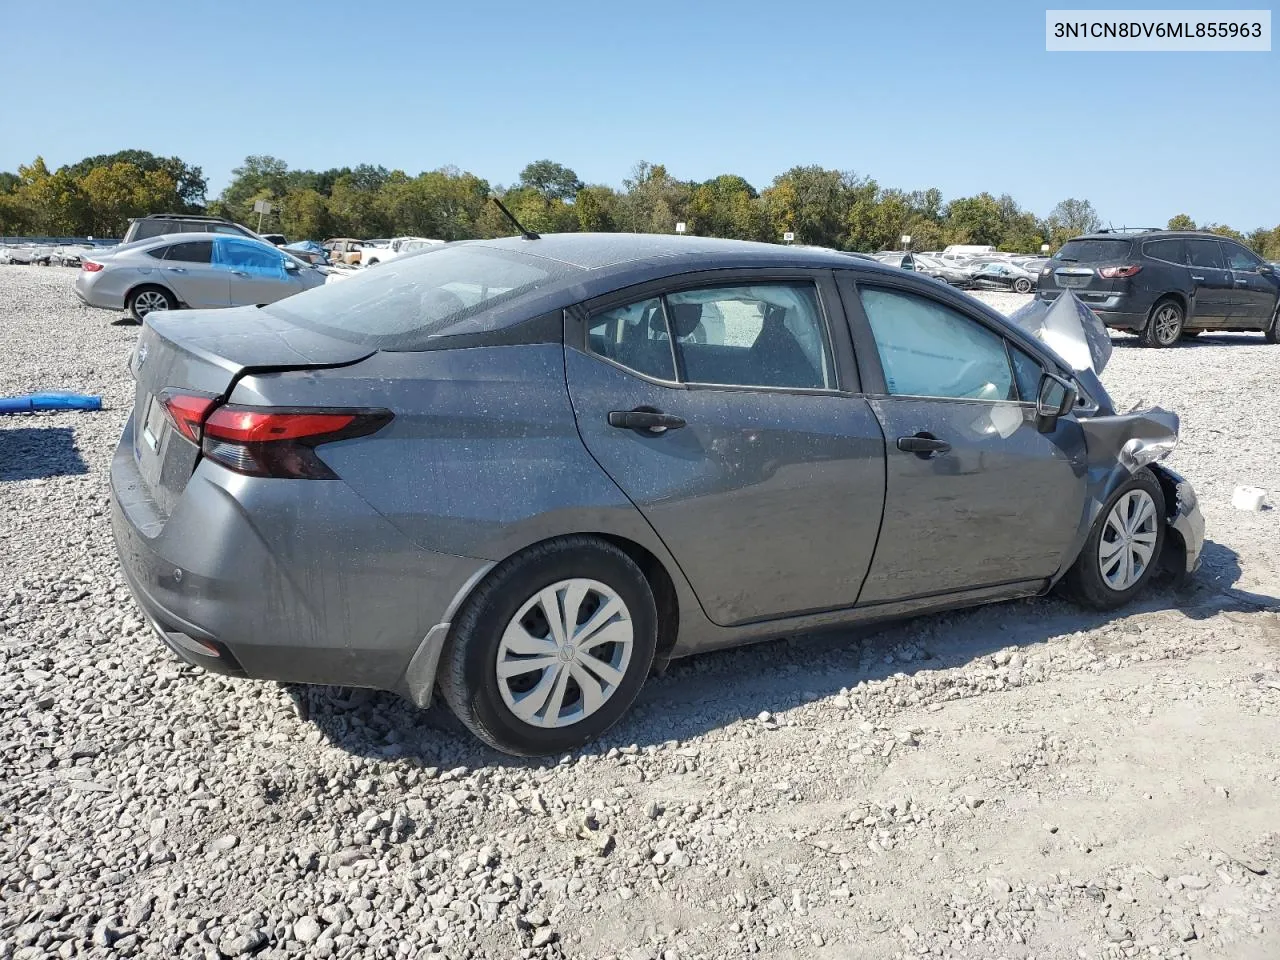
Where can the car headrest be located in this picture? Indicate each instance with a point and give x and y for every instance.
(685, 318)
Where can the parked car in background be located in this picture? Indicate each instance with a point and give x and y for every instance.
(952, 272)
(903, 260)
(275, 239)
(309, 251)
(344, 250)
(573, 501)
(395, 247)
(158, 224)
(1002, 274)
(1165, 284)
(192, 270)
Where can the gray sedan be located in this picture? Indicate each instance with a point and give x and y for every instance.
(522, 471)
(196, 270)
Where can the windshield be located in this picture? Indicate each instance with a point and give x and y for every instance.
(1093, 251)
(408, 299)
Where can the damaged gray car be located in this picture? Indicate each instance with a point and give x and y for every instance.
(522, 471)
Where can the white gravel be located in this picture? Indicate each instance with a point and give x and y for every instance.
(1021, 781)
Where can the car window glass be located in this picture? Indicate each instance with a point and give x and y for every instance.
(928, 349)
(1027, 372)
(1205, 253)
(634, 336)
(225, 228)
(248, 257)
(1170, 250)
(1238, 258)
(757, 335)
(157, 252)
(193, 251)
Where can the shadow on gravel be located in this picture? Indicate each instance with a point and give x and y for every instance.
(701, 693)
(1199, 340)
(30, 453)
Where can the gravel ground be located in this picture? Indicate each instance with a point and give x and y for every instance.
(1020, 781)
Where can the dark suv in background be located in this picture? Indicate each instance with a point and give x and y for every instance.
(159, 224)
(1166, 284)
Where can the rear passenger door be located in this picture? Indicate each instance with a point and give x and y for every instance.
(188, 268)
(1212, 290)
(728, 412)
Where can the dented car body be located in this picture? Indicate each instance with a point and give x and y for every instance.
(523, 470)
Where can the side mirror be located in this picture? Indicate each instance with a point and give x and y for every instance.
(1267, 270)
(1056, 399)
(291, 267)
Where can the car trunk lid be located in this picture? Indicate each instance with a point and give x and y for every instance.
(188, 359)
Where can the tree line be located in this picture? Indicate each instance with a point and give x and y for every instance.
(829, 208)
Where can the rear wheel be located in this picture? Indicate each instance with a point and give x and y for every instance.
(552, 648)
(1164, 326)
(146, 300)
(1122, 551)
(1022, 285)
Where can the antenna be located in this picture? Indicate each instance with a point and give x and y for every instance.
(527, 234)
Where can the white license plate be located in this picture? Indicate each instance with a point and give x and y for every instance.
(154, 424)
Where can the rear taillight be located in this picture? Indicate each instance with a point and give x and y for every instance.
(262, 442)
(90, 266)
(1119, 273)
(187, 411)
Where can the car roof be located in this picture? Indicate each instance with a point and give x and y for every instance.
(184, 216)
(613, 252)
(1150, 235)
(191, 235)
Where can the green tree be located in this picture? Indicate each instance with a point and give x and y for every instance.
(51, 203)
(977, 220)
(260, 177)
(113, 193)
(304, 214)
(811, 202)
(1181, 222)
(553, 180)
(1072, 217)
(189, 181)
(596, 209)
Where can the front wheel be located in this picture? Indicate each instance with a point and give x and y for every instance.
(1272, 333)
(1022, 285)
(552, 648)
(1164, 326)
(1122, 551)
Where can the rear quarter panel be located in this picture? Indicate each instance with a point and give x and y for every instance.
(483, 457)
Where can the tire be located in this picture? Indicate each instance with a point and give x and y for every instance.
(1272, 333)
(1095, 580)
(144, 300)
(371, 263)
(1164, 325)
(1022, 285)
(505, 622)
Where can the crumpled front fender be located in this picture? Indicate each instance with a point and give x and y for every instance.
(1120, 445)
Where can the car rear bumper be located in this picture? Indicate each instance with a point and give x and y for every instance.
(90, 296)
(1116, 310)
(291, 580)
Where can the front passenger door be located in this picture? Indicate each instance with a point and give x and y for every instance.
(1255, 295)
(975, 495)
(256, 272)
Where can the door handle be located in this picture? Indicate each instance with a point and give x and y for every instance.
(645, 420)
(923, 445)
(1242, 283)
(176, 269)
(239, 273)
(1197, 279)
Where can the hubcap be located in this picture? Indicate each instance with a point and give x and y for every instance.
(565, 653)
(1128, 540)
(150, 300)
(1168, 324)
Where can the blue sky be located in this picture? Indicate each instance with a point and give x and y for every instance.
(961, 96)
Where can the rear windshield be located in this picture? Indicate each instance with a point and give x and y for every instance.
(399, 304)
(1093, 251)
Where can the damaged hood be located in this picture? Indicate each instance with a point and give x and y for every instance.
(1070, 329)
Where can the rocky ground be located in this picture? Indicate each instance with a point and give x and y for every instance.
(1021, 781)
